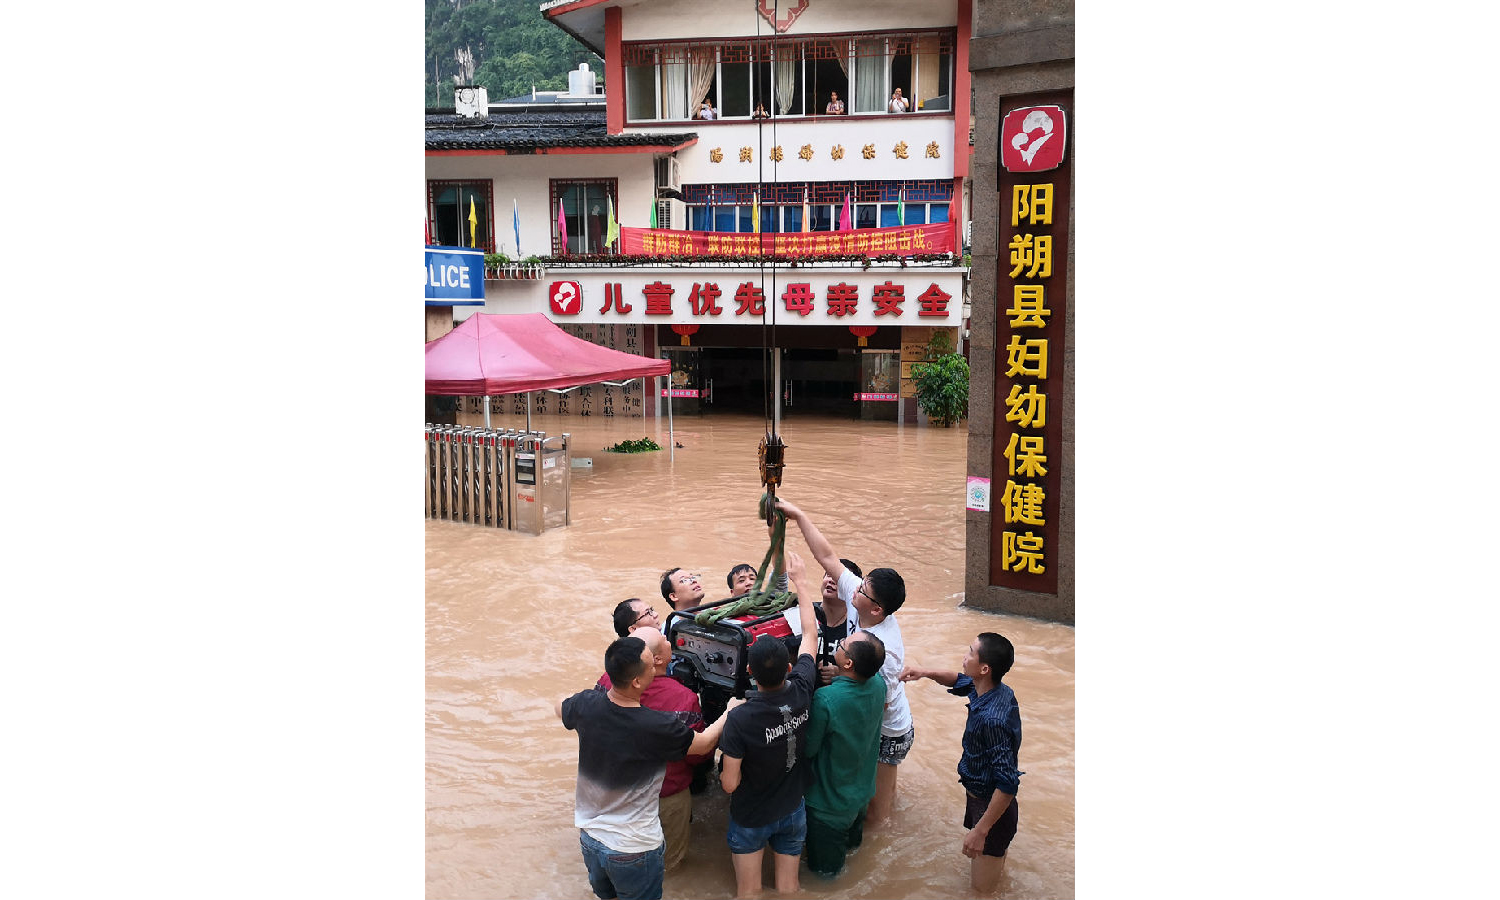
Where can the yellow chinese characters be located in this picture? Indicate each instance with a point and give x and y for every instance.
(746, 155)
(1022, 552)
(932, 151)
(1024, 456)
(1023, 503)
(716, 155)
(1036, 252)
(1029, 409)
(1026, 358)
(1031, 204)
(1028, 307)
(899, 149)
(806, 152)
(837, 152)
(776, 153)
(869, 151)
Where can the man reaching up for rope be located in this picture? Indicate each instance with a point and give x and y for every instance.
(765, 768)
(874, 600)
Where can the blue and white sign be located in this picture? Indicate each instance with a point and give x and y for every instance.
(455, 276)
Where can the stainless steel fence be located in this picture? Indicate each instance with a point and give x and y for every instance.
(499, 478)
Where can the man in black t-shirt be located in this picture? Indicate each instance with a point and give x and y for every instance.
(764, 771)
(623, 751)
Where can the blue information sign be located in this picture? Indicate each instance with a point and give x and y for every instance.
(455, 276)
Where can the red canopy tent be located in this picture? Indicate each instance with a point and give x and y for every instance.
(497, 354)
(510, 354)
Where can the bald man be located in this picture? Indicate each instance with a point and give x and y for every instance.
(669, 696)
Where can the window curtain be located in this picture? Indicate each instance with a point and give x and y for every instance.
(786, 78)
(674, 90)
(869, 76)
(702, 77)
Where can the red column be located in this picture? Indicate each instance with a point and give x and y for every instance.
(961, 149)
(614, 72)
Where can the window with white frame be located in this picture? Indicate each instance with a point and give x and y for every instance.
(788, 76)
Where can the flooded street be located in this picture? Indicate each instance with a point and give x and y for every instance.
(514, 622)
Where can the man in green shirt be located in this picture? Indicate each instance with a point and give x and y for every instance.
(843, 744)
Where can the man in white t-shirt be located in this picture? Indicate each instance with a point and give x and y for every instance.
(874, 600)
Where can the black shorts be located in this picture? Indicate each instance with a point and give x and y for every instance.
(999, 838)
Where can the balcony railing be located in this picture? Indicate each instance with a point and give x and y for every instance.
(515, 272)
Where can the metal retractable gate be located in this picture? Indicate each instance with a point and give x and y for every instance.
(498, 478)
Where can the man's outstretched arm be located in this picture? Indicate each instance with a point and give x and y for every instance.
(818, 545)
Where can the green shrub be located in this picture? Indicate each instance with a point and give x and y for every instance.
(643, 445)
(943, 388)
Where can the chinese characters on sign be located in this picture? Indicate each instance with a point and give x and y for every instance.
(608, 400)
(1025, 366)
(1028, 352)
(840, 300)
(936, 237)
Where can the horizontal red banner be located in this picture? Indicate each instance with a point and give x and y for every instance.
(940, 237)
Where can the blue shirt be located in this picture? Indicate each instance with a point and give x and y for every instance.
(992, 740)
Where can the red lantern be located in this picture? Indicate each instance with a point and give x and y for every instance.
(863, 332)
(685, 330)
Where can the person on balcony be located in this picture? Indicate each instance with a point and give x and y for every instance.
(898, 103)
(835, 105)
(760, 112)
(706, 110)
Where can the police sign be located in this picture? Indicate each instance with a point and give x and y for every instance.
(455, 276)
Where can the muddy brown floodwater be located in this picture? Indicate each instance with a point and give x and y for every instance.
(515, 622)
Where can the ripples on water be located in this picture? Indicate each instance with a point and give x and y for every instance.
(516, 621)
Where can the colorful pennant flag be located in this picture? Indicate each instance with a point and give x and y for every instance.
(653, 213)
(755, 213)
(845, 223)
(806, 212)
(901, 207)
(562, 226)
(515, 224)
(611, 227)
(473, 222)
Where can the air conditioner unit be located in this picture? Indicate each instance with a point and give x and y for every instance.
(671, 214)
(669, 173)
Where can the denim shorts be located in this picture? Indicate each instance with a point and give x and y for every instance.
(894, 749)
(628, 876)
(785, 835)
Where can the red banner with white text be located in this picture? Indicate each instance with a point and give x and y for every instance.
(938, 237)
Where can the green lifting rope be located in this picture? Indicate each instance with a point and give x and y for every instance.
(759, 602)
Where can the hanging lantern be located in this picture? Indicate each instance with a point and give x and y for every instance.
(863, 332)
(686, 330)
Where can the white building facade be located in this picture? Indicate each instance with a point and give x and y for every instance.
(851, 306)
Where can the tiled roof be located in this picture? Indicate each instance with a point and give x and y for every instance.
(520, 130)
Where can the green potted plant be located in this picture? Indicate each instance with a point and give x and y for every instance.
(493, 263)
(942, 382)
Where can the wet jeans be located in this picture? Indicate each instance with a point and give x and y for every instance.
(629, 876)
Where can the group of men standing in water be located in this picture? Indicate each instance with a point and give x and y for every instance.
(809, 757)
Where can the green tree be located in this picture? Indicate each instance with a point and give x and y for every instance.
(513, 45)
(943, 388)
